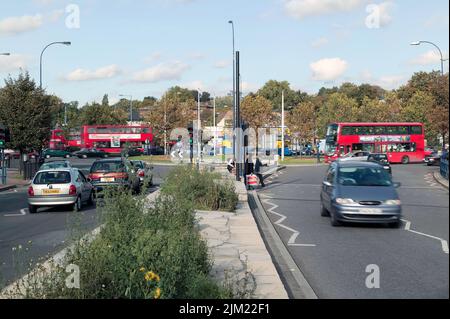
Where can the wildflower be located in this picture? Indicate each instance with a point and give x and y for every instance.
(157, 293)
(149, 276)
(142, 269)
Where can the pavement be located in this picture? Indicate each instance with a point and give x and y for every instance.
(13, 181)
(441, 180)
(336, 262)
(42, 235)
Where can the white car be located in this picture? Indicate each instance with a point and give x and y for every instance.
(60, 187)
(356, 156)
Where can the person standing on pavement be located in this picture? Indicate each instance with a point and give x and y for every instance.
(258, 171)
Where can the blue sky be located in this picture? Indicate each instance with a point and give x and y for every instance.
(143, 47)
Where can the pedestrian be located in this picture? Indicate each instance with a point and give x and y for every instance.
(258, 171)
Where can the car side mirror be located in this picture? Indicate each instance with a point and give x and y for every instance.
(327, 184)
(397, 185)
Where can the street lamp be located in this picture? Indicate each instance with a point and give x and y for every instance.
(131, 105)
(7, 54)
(234, 91)
(417, 43)
(42, 53)
(199, 125)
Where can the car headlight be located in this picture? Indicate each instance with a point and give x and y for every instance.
(386, 167)
(345, 201)
(393, 202)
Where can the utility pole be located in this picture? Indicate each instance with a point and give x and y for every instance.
(282, 126)
(215, 126)
(199, 125)
(238, 130)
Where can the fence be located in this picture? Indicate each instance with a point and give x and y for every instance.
(29, 169)
(444, 168)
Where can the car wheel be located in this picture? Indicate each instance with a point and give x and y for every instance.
(77, 205)
(323, 211)
(47, 156)
(334, 221)
(105, 156)
(67, 156)
(84, 156)
(32, 209)
(91, 200)
(405, 160)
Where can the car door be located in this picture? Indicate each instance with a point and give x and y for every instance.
(328, 187)
(86, 187)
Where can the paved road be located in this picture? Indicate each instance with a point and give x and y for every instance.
(412, 264)
(43, 234)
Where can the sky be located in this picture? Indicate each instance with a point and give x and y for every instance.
(143, 47)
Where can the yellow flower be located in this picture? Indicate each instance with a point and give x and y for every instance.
(158, 293)
(142, 269)
(149, 276)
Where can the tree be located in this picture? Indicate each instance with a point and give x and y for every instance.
(337, 108)
(417, 109)
(98, 114)
(105, 100)
(25, 110)
(257, 112)
(178, 109)
(302, 122)
(272, 91)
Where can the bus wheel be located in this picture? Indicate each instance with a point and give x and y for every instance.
(405, 160)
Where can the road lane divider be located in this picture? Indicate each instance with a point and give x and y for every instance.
(23, 212)
(443, 242)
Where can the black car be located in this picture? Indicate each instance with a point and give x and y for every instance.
(154, 150)
(360, 192)
(90, 153)
(381, 159)
(135, 152)
(433, 159)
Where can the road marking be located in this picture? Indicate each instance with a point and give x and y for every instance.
(23, 212)
(444, 243)
(266, 199)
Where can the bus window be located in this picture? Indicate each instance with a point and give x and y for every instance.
(416, 130)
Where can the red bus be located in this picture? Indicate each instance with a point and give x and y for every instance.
(403, 142)
(57, 140)
(113, 138)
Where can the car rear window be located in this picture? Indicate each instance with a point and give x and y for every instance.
(54, 166)
(46, 178)
(107, 167)
(138, 165)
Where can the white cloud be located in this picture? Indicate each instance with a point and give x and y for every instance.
(428, 58)
(154, 57)
(249, 87)
(16, 25)
(320, 42)
(106, 72)
(161, 72)
(195, 85)
(328, 69)
(390, 82)
(380, 14)
(13, 62)
(222, 64)
(304, 8)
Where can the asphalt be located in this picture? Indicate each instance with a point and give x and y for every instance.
(412, 264)
(46, 233)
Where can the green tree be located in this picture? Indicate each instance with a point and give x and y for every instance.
(336, 108)
(257, 112)
(98, 114)
(302, 122)
(272, 91)
(417, 109)
(26, 110)
(105, 100)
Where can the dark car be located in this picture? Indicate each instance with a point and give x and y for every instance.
(115, 173)
(360, 192)
(49, 153)
(433, 159)
(381, 159)
(90, 153)
(135, 152)
(154, 150)
(144, 172)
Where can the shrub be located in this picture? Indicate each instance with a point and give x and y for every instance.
(206, 191)
(140, 253)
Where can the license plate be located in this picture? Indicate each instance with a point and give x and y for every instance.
(371, 211)
(50, 191)
(107, 179)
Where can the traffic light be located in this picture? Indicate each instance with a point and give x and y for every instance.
(4, 136)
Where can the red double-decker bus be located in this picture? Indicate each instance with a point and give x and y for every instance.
(113, 138)
(403, 142)
(57, 140)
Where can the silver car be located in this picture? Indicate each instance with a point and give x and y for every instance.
(59, 187)
(356, 156)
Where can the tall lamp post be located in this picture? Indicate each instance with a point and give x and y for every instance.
(131, 105)
(42, 53)
(417, 43)
(199, 126)
(234, 91)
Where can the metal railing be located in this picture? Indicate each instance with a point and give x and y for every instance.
(444, 168)
(29, 169)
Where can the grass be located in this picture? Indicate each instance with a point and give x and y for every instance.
(300, 161)
(153, 158)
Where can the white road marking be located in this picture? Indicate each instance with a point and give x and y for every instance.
(444, 243)
(266, 199)
(23, 212)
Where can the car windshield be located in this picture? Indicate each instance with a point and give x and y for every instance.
(364, 176)
(139, 165)
(46, 178)
(107, 167)
(54, 165)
